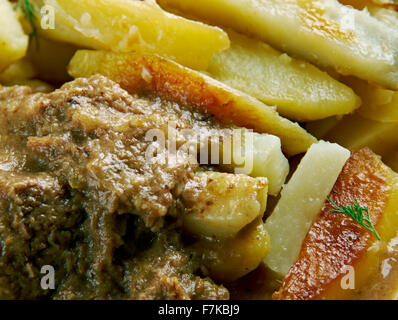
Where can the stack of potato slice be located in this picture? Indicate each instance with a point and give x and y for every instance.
(362, 44)
(263, 65)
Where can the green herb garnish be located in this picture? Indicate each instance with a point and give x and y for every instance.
(28, 10)
(356, 212)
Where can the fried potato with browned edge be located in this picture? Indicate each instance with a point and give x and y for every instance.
(325, 32)
(339, 258)
(125, 25)
(137, 72)
(300, 91)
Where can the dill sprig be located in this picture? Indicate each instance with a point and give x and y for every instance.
(28, 10)
(356, 212)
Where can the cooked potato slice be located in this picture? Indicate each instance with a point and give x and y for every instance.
(231, 259)
(18, 71)
(259, 155)
(125, 25)
(379, 104)
(337, 245)
(355, 132)
(13, 40)
(339, 36)
(219, 205)
(301, 201)
(299, 90)
(169, 80)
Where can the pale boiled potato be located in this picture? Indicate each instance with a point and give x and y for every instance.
(355, 132)
(125, 25)
(301, 201)
(340, 37)
(300, 91)
(378, 103)
(142, 72)
(259, 155)
(219, 205)
(13, 40)
(18, 71)
(231, 259)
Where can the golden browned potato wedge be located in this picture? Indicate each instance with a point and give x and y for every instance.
(339, 36)
(219, 205)
(355, 132)
(138, 72)
(231, 259)
(378, 103)
(13, 40)
(300, 91)
(339, 256)
(301, 200)
(125, 25)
